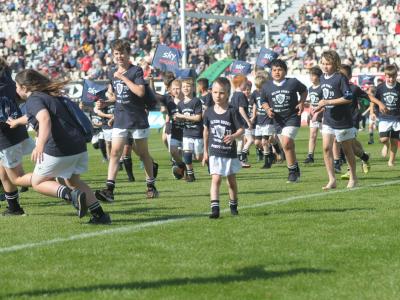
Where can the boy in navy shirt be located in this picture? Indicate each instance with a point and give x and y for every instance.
(204, 93)
(314, 95)
(358, 96)
(130, 120)
(280, 99)
(337, 118)
(190, 113)
(387, 97)
(222, 126)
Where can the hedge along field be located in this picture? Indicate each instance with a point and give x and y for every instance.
(290, 241)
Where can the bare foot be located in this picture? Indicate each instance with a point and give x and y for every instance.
(390, 164)
(329, 186)
(384, 151)
(351, 184)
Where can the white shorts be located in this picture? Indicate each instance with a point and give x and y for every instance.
(248, 132)
(107, 134)
(174, 143)
(386, 126)
(223, 166)
(265, 130)
(135, 134)
(316, 124)
(341, 135)
(12, 156)
(193, 145)
(289, 131)
(64, 166)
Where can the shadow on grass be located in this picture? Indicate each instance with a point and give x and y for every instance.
(242, 275)
(159, 218)
(321, 210)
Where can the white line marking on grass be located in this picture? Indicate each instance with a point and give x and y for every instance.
(138, 227)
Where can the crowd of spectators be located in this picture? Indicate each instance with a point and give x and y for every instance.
(73, 38)
(365, 33)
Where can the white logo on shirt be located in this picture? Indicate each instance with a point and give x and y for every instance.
(120, 88)
(280, 98)
(326, 93)
(219, 131)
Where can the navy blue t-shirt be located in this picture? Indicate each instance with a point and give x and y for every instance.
(390, 96)
(109, 110)
(315, 95)
(175, 126)
(191, 108)
(220, 125)
(239, 99)
(358, 94)
(130, 110)
(10, 137)
(334, 87)
(207, 100)
(262, 116)
(283, 99)
(66, 137)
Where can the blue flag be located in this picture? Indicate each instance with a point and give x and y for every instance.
(93, 91)
(166, 59)
(185, 73)
(365, 79)
(240, 67)
(265, 57)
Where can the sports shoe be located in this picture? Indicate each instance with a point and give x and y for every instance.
(309, 160)
(102, 220)
(155, 169)
(366, 166)
(152, 192)
(214, 214)
(78, 200)
(345, 176)
(293, 178)
(267, 165)
(190, 178)
(104, 195)
(234, 211)
(11, 213)
(245, 165)
(370, 142)
(131, 178)
(338, 169)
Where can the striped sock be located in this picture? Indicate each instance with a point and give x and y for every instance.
(190, 172)
(150, 182)
(63, 192)
(110, 185)
(96, 209)
(12, 200)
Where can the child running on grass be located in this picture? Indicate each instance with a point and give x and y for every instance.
(337, 118)
(387, 97)
(222, 126)
(314, 95)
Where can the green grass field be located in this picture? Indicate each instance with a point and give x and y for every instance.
(289, 241)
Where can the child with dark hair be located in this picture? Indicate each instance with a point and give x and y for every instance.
(204, 93)
(279, 97)
(60, 149)
(222, 126)
(314, 96)
(387, 97)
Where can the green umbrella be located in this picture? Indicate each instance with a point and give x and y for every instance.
(216, 69)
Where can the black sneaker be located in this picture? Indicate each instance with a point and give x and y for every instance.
(190, 178)
(370, 142)
(11, 213)
(337, 168)
(131, 178)
(152, 192)
(23, 189)
(104, 195)
(102, 220)
(309, 160)
(214, 214)
(267, 165)
(293, 178)
(155, 169)
(234, 211)
(78, 200)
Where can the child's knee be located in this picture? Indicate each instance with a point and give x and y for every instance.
(187, 157)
